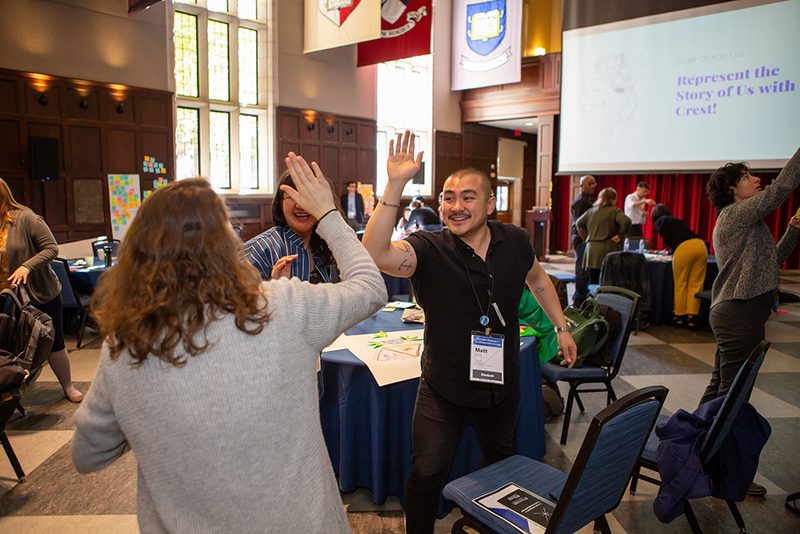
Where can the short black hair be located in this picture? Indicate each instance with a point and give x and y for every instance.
(722, 180)
(658, 211)
(644, 185)
(351, 182)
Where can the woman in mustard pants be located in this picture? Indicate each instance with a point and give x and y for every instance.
(689, 259)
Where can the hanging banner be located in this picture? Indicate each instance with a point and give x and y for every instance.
(334, 23)
(405, 32)
(124, 198)
(487, 43)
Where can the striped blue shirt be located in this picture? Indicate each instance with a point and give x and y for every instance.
(265, 249)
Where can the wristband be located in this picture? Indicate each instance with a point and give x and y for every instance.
(390, 205)
(562, 329)
(327, 212)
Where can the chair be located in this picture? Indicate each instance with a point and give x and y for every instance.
(8, 403)
(594, 485)
(734, 399)
(97, 247)
(623, 301)
(71, 298)
(629, 270)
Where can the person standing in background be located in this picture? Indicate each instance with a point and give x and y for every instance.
(603, 228)
(27, 247)
(689, 262)
(353, 205)
(635, 208)
(582, 203)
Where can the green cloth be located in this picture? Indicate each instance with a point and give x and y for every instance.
(536, 323)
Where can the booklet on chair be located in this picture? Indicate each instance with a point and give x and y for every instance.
(525, 510)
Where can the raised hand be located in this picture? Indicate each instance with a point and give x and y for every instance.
(401, 165)
(311, 189)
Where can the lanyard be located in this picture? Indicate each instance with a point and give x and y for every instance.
(484, 318)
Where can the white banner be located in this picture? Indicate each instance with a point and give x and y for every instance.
(487, 43)
(334, 23)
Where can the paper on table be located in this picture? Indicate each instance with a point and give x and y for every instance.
(390, 356)
(338, 344)
(400, 304)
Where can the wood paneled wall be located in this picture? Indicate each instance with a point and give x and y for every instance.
(537, 94)
(344, 147)
(101, 129)
(480, 151)
(448, 157)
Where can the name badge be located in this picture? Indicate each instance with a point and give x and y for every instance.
(486, 358)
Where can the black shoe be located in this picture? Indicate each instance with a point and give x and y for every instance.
(757, 490)
(691, 322)
(679, 321)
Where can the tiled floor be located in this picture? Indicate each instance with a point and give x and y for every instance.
(56, 498)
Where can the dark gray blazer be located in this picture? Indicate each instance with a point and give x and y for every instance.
(31, 243)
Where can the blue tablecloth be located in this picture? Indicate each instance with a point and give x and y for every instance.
(662, 288)
(85, 280)
(368, 428)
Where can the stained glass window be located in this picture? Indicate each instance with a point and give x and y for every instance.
(220, 147)
(247, 9)
(248, 151)
(248, 66)
(186, 54)
(187, 143)
(218, 5)
(218, 64)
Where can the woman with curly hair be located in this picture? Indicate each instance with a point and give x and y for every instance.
(748, 261)
(208, 374)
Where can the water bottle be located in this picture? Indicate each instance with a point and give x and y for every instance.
(627, 245)
(107, 251)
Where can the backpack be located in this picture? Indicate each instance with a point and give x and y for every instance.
(588, 327)
(603, 357)
(26, 333)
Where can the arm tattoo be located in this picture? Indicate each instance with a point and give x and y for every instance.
(538, 290)
(405, 246)
(405, 265)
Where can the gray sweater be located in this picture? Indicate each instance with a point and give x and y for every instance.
(232, 441)
(747, 256)
(31, 243)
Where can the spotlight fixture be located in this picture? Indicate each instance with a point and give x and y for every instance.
(121, 107)
(84, 104)
(348, 132)
(310, 126)
(43, 99)
(331, 129)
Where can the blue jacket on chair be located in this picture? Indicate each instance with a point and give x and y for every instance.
(727, 475)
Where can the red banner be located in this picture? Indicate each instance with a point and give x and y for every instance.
(405, 32)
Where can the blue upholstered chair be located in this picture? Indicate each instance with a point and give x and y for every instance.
(70, 298)
(737, 394)
(593, 378)
(594, 485)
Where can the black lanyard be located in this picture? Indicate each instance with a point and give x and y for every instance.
(484, 318)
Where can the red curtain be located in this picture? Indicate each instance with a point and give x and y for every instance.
(683, 194)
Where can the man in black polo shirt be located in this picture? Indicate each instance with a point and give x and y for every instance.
(469, 280)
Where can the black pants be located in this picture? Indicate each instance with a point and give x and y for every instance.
(436, 429)
(738, 326)
(636, 231)
(581, 274)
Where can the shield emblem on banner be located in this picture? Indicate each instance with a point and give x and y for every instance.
(486, 25)
(337, 11)
(391, 10)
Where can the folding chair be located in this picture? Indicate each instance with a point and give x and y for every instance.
(593, 487)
